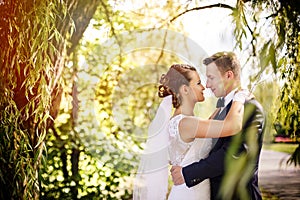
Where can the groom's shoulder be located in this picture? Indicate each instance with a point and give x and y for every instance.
(255, 104)
(254, 110)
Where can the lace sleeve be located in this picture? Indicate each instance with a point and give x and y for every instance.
(173, 126)
(183, 153)
(177, 148)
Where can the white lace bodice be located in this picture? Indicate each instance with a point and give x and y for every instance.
(182, 153)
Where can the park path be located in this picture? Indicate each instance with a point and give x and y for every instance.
(277, 178)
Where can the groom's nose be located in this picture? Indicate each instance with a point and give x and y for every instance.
(208, 85)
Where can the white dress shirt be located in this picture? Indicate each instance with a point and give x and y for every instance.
(228, 98)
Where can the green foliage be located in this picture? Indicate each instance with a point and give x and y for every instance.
(27, 74)
(109, 98)
(295, 157)
(240, 23)
(289, 111)
(241, 160)
(281, 147)
(78, 148)
(114, 111)
(279, 51)
(267, 94)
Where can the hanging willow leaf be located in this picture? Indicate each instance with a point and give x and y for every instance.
(25, 94)
(272, 56)
(264, 56)
(295, 157)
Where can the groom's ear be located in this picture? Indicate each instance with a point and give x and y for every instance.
(230, 74)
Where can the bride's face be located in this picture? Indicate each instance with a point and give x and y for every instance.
(196, 87)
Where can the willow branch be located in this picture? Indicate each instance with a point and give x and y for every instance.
(218, 5)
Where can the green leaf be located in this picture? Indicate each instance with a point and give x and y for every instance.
(272, 56)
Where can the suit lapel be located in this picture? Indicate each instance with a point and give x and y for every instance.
(222, 115)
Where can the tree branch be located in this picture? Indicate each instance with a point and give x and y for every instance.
(218, 5)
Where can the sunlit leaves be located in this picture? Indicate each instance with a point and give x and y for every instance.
(240, 23)
(281, 52)
(27, 73)
(267, 56)
(241, 159)
(289, 110)
(295, 157)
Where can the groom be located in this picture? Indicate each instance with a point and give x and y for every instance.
(223, 78)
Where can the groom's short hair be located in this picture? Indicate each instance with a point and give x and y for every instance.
(225, 61)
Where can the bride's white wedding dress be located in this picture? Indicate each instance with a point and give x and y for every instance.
(183, 154)
(164, 147)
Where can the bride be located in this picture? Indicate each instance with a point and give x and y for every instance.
(181, 138)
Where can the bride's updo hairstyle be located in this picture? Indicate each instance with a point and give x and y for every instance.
(178, 75)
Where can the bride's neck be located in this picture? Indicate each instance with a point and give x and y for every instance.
(184, 110)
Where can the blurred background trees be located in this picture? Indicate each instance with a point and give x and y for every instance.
(78, 85)
(277, 47)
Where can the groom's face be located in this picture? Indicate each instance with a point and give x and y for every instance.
(215, 80)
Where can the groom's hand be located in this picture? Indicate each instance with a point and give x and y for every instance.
(177, 177)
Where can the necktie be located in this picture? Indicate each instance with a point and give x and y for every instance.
(220, 102)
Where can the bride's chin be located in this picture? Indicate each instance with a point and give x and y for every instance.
(201, 100)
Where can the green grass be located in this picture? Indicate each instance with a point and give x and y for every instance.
(268, 196)
(281, 147)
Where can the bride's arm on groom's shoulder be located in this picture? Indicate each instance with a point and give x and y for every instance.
(195, 127)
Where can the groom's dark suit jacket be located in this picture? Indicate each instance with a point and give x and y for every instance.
(213, 166)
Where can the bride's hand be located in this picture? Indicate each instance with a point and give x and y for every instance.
(243, 95)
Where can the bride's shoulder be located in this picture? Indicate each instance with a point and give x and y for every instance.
(173, 124)
(176, 119)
